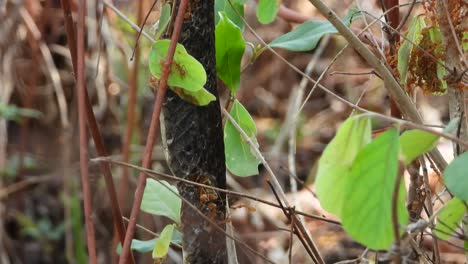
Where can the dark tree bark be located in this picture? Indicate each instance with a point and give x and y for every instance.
(193, 136)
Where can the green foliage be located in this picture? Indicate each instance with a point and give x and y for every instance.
(141, 246)
(413, 36)
(367, 214)
(307, 35)
(162, 243)
(414, 143)
(224, 6)
(267, 10)
(335, 164)
(159, 200)
(356, 180)
(14, 113)
(455, 177)
(187, 75)
(240, 159)
(163, 21)
(449, 218)
(144, 246)
(230, 48)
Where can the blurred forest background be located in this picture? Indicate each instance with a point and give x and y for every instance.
(41, 217)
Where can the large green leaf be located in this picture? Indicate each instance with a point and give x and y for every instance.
(449, 218)
(224, 6)
(162, 244)
(159, 200)
(186, 72)
(414, 143)
(230, 48)
(267, 10)
(240, 159)
(307, 35)
(335, 164)
(456, 176)
(413, 36)
(367, 215)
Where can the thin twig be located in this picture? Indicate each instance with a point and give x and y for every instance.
(153, 131)
(81, 92)
(153, 173)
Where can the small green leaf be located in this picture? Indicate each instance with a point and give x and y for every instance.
(455, 177)
(14, 113)
(141, 246)
(158, 200)
(449, 218)
(367, 215)
(267, 10)
(186, 72)
(414, 143)
(163, 21)
(201, 97)
(224, 6)
(413, 36)
(162, 244)
(240, 159)
(230, 48)
(307, 35)
(335, 164)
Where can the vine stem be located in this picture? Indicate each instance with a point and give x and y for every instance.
(154, 126)
(81, 91)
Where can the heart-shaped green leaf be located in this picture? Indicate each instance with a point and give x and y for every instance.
(267, 10)
(186, 72)
(455, 177)
(369, 188)
(335, 163)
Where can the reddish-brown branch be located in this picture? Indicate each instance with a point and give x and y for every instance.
(80, 76)
(154, 126)
(132, 91)
(98, 141)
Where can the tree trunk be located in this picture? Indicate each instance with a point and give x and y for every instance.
(193, 136)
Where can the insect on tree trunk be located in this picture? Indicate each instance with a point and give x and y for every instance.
(193, 136)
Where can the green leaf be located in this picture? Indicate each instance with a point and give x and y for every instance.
(162, 244)
(449, 218)
(414, 143)
(240, 159)
(230, 48)
(455, 177)
(163, 21)
(201, 97)
(436, 39)
(186, 72)
(267, 10)
(367, 215)
(413, 36)
(12, 112)
(141, 246)
(307, 35)
(224, 6)
(158, 200)
(335, 164)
